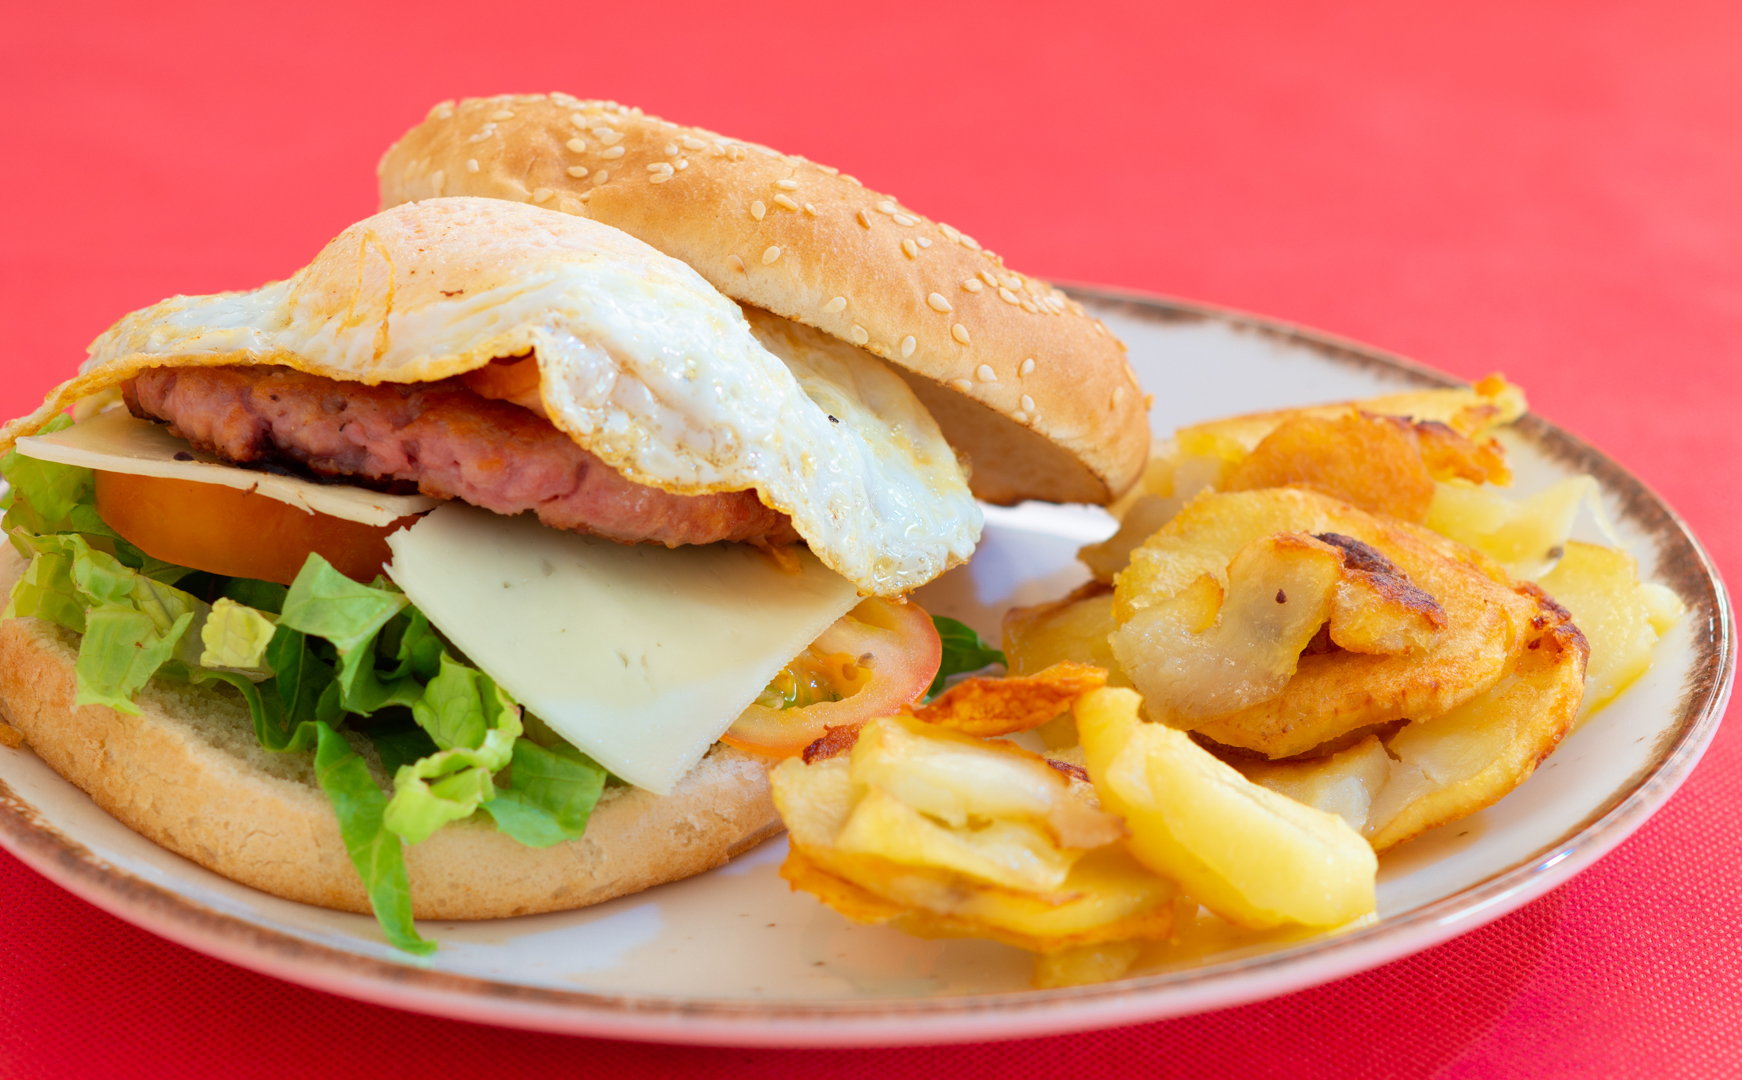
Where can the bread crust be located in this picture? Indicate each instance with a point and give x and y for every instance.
(817, 247)
(188, 775)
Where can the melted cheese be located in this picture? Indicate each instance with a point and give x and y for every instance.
(118, 442)
(642, 656)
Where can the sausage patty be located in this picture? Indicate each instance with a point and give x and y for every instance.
(444, 438)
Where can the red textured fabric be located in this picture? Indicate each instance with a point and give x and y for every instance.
(1551, 189)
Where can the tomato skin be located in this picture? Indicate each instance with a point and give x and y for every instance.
(905, 653)
(236, 533)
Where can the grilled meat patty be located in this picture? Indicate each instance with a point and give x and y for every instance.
(444, 438)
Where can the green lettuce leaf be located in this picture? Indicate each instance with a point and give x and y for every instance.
(475, 725)
(400, 745)
(235, 636)
(550, 795)
(963, 651)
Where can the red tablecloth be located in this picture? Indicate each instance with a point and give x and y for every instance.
(1552, 190)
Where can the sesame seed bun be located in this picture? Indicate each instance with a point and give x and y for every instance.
(188, 774)
(1035, 391)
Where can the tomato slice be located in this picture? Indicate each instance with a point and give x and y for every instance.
(236, 533)
(894, 652)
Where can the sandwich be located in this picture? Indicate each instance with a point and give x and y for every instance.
(486, 565)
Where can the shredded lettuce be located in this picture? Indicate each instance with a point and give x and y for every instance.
(550, 795)
(963, 652)
(308, 660)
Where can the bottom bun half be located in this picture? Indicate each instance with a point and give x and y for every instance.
(189, 775)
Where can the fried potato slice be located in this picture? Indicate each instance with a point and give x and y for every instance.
(1377, 609)
(1203, 652)
(1252, 856)
(966, 782)
(862, 845)
(1334, 693)
(1467, 759)
(1373, 453)
(1344, 784)
(1620, 616)
(1071, 630)
(1373, 462)
(1004, 706)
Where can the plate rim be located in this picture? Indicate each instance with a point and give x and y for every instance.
(1010, 1014)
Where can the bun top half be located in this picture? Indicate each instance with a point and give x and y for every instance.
(1036, 392)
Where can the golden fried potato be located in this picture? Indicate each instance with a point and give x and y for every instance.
(1344, 784)
(1373, 462)
(1525, 535)
(946, 835)
(1620, 617)
(1440, 437)
(1338, 692)
(1377, 609)
(1252, 856)
(1456, 764)
(1200, 654)
(989, 707)
(1071, 630)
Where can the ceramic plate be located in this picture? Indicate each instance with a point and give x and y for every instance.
(733, 957)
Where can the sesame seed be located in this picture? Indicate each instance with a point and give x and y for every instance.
(858, 334)
(661, 166)
(786, 202)
(682, 164)
(886, 206)
(579, 146)
(660, 177)
(1020, 417)
(578, 120)
(903, 219)
(607, 136)
(937, 302)
(809, 209)
(757, 210)
(1031, 307)
(542, 194)
(1007, 296)
(437, 179)
(690, 142)
(502, 114)
(1027, 367)
(864, 219)
(836, 305)
(1118, 395)
(922, 241)
(969, 242)
(907, 346)
(442, 112)
(600, 177)
(1027, 403)
(984, 372)
(771, 254)
(471, 164)
(854, 180)
(986, 275)
(950, 231)
(786, 185)
(973, 285)
(830, 169)
(577, 171)
(960, 333)
(1099, 329)
(962, 384)
(614, 152)
(735, 263)
(671, 149)
(909, 248)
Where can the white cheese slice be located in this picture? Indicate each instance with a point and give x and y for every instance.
(119, 442)
(640, 655)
